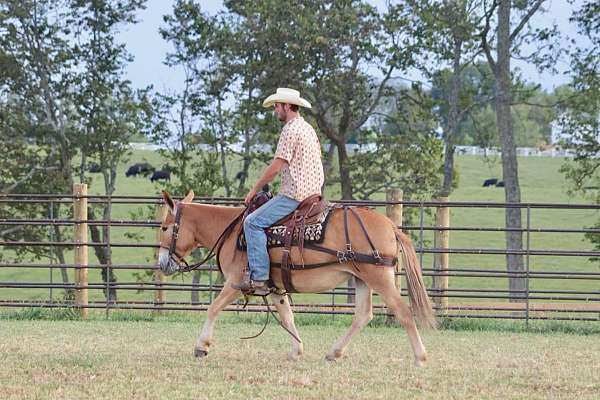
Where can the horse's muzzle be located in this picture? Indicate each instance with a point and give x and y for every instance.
(167, 265)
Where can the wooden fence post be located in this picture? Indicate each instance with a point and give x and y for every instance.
(440, 261)
(80, 213)
(159, 277)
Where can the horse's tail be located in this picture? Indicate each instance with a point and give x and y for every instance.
(419, 301)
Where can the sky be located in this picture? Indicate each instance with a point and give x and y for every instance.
(149, 49)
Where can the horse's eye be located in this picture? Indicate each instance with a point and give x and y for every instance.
(164, 228)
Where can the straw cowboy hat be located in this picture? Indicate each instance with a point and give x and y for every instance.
(286, 95)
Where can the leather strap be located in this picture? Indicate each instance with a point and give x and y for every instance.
(286, 275)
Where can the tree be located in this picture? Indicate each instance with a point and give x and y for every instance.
(446, 31)
(400, 149)
(508, 39)
(330, 55)
(62, 94)
(580, 113)
(109, 113)
(39, 119)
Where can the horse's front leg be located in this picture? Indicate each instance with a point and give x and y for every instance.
(225, 297)
(282, 304)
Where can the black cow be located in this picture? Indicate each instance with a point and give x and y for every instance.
(490, 182)
(145, 169)
(94, 168)
(166, 175)
(240, 175)
(500, 184)
(139, 168)
(132, 171)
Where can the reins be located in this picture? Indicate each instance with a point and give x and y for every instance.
(270, 312)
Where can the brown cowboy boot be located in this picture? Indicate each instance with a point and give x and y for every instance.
(260, 288)
(250, 287)
(245, 285)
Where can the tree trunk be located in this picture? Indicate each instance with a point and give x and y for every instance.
(195, 292)
(59, 252)
(512, 191)
(102, 254)
(222, 145)
(344, 171)
(451, 128)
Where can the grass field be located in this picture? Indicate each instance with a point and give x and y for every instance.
(101, 359)
(540, 182)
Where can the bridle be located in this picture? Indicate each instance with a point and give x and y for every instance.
(178, 259)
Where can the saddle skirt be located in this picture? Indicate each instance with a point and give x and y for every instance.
(314, 232)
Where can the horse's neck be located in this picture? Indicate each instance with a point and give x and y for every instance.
(210, 222)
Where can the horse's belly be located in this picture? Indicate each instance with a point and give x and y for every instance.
(313, 280)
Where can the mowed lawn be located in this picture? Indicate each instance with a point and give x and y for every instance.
(153, 360)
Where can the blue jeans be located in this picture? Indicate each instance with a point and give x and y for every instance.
(256, 237)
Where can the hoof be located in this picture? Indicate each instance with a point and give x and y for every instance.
(200, 353)
(420, 363)
(293, 356)
(334, 355)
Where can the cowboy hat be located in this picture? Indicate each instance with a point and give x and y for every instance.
(286, 95)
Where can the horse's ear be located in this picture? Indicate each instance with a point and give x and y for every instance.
(189, 197)
(168, 200)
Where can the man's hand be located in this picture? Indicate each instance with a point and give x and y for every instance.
(250, 196)
(268, 174)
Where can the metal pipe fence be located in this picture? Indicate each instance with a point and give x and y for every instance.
(472, 282)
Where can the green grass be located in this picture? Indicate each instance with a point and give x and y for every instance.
(153, 360)
(540, 182)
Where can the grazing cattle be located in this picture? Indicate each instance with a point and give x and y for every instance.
(94, 168)
(156, 175)
(240, 175)
(139, 168)
(132, 171)
(490, 182)
(500, 184)
(145, 169)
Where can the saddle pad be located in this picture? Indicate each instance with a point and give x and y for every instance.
(314, 233)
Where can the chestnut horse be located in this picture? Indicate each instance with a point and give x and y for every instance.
(201, 225)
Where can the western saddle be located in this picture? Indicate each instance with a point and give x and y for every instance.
(310, 211)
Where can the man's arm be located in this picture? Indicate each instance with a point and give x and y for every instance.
(267, 176)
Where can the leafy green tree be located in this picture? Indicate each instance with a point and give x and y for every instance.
(447, 32)
(401, 148)
(38, 124)
(507, 37)
(108, 110)
(61, 95)
(580, 113)
(340, 54)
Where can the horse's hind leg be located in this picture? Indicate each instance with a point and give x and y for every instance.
(282, 304)
(226, 297)
(391, 297)
(363, 313)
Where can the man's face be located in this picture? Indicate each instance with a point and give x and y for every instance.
(281, 111)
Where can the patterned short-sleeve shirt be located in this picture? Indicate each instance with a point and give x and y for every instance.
(299, 145)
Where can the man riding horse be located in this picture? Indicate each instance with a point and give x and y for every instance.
(298, 161)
